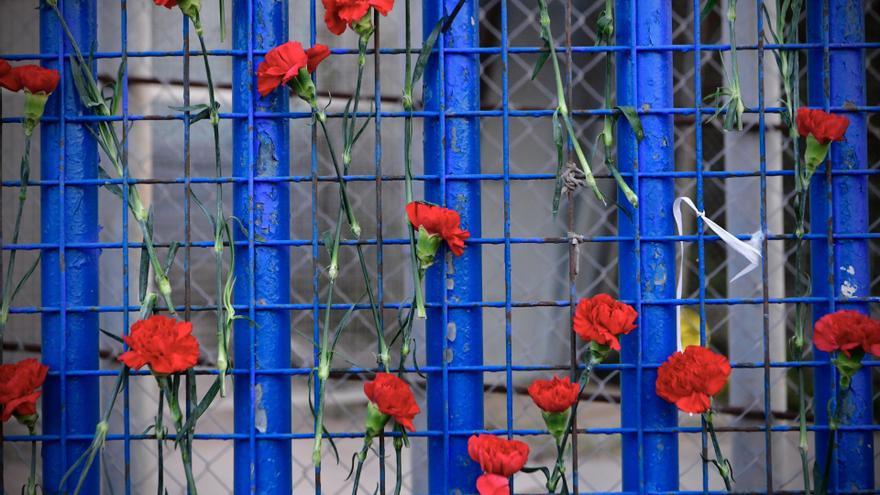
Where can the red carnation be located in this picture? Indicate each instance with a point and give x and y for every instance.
(601, 319)
(165, 344)
(498, 456)
(847, 331)
(554, 396)
(36, 79)
(168, 4)
(316, 55)
(439, 221)
(283, 63)
(824, 126)
(8, 78)
(341, 13)
(18, 387)
(492, 484)
(688, 379)
(393, 397)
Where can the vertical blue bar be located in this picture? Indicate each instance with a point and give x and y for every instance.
(261, 148)
(837, 78)
(454, 336)
(647, 269)
(68, 214)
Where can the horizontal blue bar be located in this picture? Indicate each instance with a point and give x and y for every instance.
(452, 433)
(459, 368)
(456, 177)
(452, 114)
(462, 304)
(469, 50)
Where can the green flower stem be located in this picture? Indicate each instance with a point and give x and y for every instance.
(833, 425)
(562, 107)
(223, 322)
(559, 466)
(788, 13)
(345, 209)
(361, 458)
(159, 431)
(87, 458)
(10, 264)
(326, 352)
(606, 30)
(735, 96)
(418, 298)
(398, 456)
(31, 487)
(721, 463)
(383, 356)
(91, 95)
(182, 436)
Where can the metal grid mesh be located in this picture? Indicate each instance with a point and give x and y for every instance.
(538, 259)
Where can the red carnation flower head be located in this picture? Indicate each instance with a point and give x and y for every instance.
(168, 4)
(8, 77)
(18, 389)
(341, 13)
(688, 379)
(439, 221)
(37, 80)
(554, 395)
(847, 331)
(316, 55)
(392, 397)
(496, 455)
(823, 126)
(602, 318)
(281, 64)
(493, 484)
(164, 344)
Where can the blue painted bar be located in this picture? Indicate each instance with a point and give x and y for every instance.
(647, 269)
(69, 340)
(837, 78)
(261, 148)
(454, 336)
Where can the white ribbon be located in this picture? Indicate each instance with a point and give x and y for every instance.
(748, 250)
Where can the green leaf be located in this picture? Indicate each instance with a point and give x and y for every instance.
(428, 46)
(201, 206)
(707, 9)
(328, 241)
(200, 409)
(148, 303)
(117, 88)
(346, 318)
(115, 189)
(169, 260)
(560, 161)
(545, 36)
(143, 273)
(635, 122)
(25, 277)
(542, 59)
(113, 336)
(201, 111)
(222, 12)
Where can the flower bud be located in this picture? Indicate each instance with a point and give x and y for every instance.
(34, 106)
(375, 421)
(556, 423)
(427, 245)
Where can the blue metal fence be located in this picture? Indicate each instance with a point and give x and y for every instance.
(453, 175)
